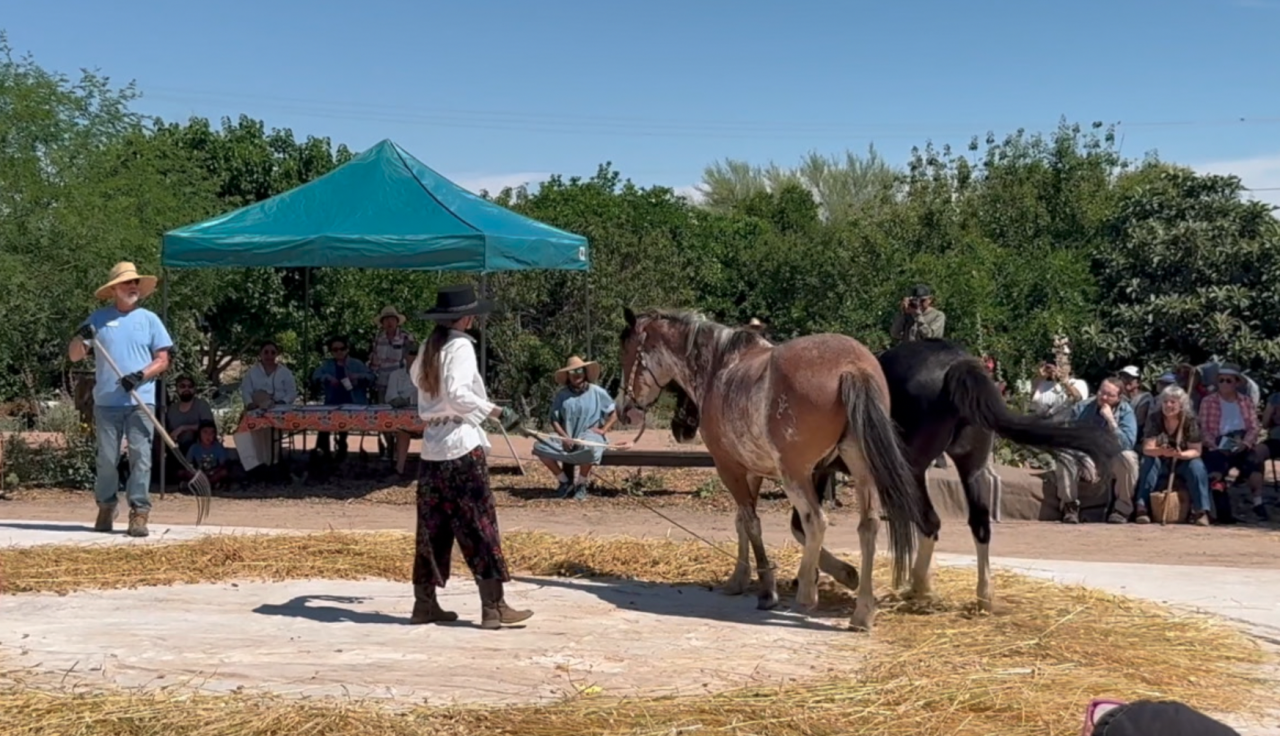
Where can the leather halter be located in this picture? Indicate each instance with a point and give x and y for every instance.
(641, 362)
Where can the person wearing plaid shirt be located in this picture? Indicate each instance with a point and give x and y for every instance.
(1229, 426)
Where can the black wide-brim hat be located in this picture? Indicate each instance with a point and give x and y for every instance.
(455, 302)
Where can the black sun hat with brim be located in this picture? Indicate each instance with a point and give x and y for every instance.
(455, 302)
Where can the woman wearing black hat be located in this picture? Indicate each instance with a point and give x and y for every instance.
(454, 499)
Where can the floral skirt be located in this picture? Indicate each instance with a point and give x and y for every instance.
(455, 503)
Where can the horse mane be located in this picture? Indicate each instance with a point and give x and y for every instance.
(725, 340)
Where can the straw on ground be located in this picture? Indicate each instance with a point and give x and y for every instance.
(1025, 670)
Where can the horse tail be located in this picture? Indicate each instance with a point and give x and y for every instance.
(975, 397)
(874, 431)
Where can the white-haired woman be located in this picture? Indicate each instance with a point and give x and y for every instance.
(1171, 437)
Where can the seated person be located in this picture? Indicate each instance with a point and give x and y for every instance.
(1108, 413)
(208, 455)
(1172, 432)
(582, 410)
(1270, 427)
(345, 380)
(268, 383)
(1229, 428)
(182, 419)
(401, 392)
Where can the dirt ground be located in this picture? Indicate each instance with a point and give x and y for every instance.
(711, 518)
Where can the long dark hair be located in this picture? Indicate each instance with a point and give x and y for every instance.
(429, 366)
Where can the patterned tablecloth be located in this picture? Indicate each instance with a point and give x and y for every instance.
(343, 418)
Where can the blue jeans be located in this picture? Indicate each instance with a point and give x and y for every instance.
(112, 423)
(1155, 474)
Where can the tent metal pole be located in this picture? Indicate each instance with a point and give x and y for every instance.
(160, 392)
(484, 334)
(586, 276)
(306, 332)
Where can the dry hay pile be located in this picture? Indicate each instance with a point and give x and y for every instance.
(1028, 669)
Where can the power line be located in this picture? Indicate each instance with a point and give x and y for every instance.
(527, 122)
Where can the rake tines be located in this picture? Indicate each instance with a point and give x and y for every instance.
(203, 491)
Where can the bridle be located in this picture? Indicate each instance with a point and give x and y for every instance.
(640, 363)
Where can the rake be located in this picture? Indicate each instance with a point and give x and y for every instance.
(199, 482)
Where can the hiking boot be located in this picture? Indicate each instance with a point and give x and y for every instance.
(563, 490)
(1260, 511)
(1199, 518)
(494, 611)
(138, 523)
(1141, 517)
(426, 609)
(1117, 518)
(580, 491)
(106, 517)
(1071, 513)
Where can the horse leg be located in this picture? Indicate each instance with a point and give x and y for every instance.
(864, 612)
(767, 595)
(973, 464)
(741, 490)
(813, 521)
(841, 571)
(921, 586)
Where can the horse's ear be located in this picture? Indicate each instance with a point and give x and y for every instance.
(629, 316)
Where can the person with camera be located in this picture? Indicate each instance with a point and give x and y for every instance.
(918, 319)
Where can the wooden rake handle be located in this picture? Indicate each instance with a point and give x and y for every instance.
(98, 350)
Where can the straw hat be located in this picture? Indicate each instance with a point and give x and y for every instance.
(388, 312)
(122, 272)
(575, 363)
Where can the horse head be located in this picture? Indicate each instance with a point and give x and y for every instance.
(651, 358)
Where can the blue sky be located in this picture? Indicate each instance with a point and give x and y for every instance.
(500, 92)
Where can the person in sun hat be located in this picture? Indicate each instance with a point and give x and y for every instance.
(138, 342)
(393, 348)
(454, 498)
(581, 410)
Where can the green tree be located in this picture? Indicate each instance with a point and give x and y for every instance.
(1190, 272)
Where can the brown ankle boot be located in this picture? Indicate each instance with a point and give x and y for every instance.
(138, 523)
(106, 517)
(494, 611)
(426, 609)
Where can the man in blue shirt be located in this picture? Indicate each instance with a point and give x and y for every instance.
(1109, 413)
(140, 345)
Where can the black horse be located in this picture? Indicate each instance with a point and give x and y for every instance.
(943, 400)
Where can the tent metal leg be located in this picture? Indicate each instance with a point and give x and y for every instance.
(160, 391)
(484, 334)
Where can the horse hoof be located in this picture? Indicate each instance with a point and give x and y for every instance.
(767, 602)
(860, 627)
(984, 605)
(733, 588)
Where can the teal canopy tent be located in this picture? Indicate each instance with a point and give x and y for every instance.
(382, 209)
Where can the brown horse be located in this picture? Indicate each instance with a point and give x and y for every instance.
(785, 412)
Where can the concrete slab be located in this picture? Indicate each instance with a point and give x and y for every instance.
(1247, 596)
(330, 638)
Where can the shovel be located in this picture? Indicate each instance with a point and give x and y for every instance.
(199, 483)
